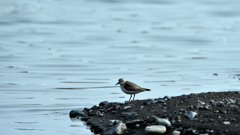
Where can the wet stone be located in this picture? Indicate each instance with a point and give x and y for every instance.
(75, 113)
(103, 103)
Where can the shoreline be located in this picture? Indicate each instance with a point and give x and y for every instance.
(198, 113)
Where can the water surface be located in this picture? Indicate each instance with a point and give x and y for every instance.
(56, 55)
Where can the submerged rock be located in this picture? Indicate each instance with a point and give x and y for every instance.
(155, 130)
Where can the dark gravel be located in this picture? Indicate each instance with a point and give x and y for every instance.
(217, 113)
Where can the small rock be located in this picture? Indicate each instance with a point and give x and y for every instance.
(226, 123)
(113, 122)
(233, 106)
(211, 120)
(75, 113)
(109, 109)
(233, 120)
(166, 97)
(128, 114)
(103, 103)
(152, 101)
(176, 132)
(133, 122)
(182, 110)
(179, 129)
(126, 107)
(137, 125)
(211, 101)
(191, 115)
(114, 112)
(192, 131)
(215, 111)
(223, 111)
(220, 103)
(96, 129)
(161, 121)
(231, 101)
(161, 101)
(98, 113)
(117, 107)
(116, 130)
(155, 129)
(149, 102)
(121, 103)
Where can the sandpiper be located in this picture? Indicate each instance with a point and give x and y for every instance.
(130, 88)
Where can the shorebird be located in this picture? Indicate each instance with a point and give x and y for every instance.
(130, 88)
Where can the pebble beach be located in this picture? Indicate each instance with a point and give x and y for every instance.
(211, 113)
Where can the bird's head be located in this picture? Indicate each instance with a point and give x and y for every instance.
(121, 81)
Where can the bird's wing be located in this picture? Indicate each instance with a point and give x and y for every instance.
(131, 86)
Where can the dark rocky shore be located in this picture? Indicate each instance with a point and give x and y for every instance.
(212, 113)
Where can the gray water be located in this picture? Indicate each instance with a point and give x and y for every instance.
(58, 55)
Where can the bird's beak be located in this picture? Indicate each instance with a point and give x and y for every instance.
(117, 83)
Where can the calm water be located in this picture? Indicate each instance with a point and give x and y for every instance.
(57, 55)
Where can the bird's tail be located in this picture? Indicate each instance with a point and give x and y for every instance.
(147, 89)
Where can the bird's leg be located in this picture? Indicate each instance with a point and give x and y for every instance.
(133, 96)
(130, 97)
